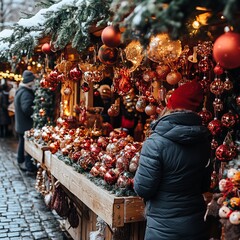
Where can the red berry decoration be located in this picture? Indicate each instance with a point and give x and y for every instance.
(226, 50)
(46, 48)
(111, 36)
(107, 55)
(215, 127)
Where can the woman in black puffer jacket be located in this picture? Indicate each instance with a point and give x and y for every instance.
(174, 170)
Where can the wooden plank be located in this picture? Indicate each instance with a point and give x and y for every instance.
(105, 205)
(34, 150)
(133, 209)
(47, 159)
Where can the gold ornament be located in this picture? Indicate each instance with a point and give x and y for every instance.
(134, 54)
(163, 50)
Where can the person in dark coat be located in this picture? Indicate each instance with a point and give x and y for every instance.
(23, 103)
(4, 117)
(174, 169)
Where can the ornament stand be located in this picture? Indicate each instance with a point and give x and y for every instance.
(124, 216)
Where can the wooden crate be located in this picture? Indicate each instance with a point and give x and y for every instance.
(115, 211)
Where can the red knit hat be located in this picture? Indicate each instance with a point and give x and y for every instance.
(188, 96)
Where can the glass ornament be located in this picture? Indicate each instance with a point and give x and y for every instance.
(228, 120)
(217, 105)
(227, 85)
(141, 104)
(204, 65)
(134, 54)
(162, 49)
(162, 71)
(162, 91)
(214, 144)
(173, 77)
(217, 86)
(215, 127)
(206, 116)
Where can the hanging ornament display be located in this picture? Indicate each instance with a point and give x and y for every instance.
(108, 55)
(226, 50)
(133, 52)
(46, 48)
(149, 75)
(111, 36)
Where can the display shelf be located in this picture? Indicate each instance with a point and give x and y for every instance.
(115, 211)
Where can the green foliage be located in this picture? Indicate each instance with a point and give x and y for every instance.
(44, 99)
(144, 18)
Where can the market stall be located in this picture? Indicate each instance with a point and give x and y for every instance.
(104, 77)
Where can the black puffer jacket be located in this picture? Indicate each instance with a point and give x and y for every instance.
(23, 102)
(172, 175)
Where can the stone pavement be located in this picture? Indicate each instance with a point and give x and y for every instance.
(23, 213)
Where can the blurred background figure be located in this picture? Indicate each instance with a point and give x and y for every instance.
(4, 117)
(23, 102)
(11, 108)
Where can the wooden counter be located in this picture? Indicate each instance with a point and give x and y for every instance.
(115, 211)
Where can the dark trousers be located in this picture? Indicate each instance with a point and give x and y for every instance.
(22, 156)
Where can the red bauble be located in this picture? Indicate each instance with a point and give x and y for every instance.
(215, 127)
(206, 116)
(173, 77)
(111, 176)
(228, 120)
(226, 50)
(46, 48)
(218, 70)
(111, 36)
(107, 55)
(223, 153)
(162, 71)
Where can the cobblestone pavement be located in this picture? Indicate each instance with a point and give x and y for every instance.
(23, 213)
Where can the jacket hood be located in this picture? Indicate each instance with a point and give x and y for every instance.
(182, 127)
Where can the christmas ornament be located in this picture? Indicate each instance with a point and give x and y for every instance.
(141, 104)
(162, 71)
(67, 91)
(111, 176)
(107, 55)
(149, 75)
(85, 87)
(75, 74)
(162, 49)
(234, 218)
(42, 112)
(217, 105)
(227, 85)
(133, 52)
(238, 100)
(226, 50)
(228, 120)
(204, 64)
(218, 70)
(217, 86)
(206, 116)
(150, 109)
(162, 91)
(224, 212)
(215, 127)
(222, 153)
(46, 48)
(111, 36)
(173, 77)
